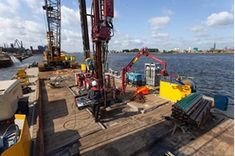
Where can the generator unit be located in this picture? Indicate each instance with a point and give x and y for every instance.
(152, 74)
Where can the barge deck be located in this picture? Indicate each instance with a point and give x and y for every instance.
(63, 129)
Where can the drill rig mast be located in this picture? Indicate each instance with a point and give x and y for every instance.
(53, 15)
(101, 21)
(102, 12)
(84, 28)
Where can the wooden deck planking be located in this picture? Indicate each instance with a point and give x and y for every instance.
(128, 126)
(62, 120)
(151, 102)
(217, 141)
(127, 135)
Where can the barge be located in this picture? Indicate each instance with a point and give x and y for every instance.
(62, 128)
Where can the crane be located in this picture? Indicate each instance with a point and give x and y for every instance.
(53, 15)
(142, 52)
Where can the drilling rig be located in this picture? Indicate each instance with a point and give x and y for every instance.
(102, 13)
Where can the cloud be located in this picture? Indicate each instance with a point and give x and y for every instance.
(198, 28)
(4, 7)
(14, 4)
(216, 19)
(167, 12)
(30, 32)
(35, 6)
(125, 41)
(159, 22)
(70, 17)
(219, 19)
(71, 40)
(160, 35)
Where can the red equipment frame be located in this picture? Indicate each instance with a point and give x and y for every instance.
(142, 52)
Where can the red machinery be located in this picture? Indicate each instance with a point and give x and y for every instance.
(102, 13)
(101, 20)
(142, 52)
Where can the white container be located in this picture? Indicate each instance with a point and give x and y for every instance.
(10, 93)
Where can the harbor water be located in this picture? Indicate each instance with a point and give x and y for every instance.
(8, 73)
(213, 74)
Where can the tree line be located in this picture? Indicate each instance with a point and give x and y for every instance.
(136, 50)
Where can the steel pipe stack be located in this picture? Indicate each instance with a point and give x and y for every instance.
(193, 109)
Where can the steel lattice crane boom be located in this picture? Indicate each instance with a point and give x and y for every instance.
(53, 15)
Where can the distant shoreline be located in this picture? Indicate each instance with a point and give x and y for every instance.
(177, 53)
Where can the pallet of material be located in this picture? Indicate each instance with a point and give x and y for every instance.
(192, 109)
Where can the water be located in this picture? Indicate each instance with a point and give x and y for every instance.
(7, 73)
(213, 74)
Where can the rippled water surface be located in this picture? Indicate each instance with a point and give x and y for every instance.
(213, 74)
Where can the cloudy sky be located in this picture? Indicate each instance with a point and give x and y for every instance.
(138, 23)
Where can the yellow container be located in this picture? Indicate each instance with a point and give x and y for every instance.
(173, 92)
(83, 67)
(23, 146)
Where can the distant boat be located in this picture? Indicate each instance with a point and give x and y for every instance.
(5, 60)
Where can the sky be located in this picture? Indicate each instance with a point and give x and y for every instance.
(165, 24)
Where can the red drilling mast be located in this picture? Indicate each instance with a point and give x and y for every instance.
(102, 14)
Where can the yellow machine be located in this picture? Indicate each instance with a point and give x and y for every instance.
(23, 145)
(22, 76)
(174, 92)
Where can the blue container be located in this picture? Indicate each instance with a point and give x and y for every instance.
(221, 102)
(134, 78)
